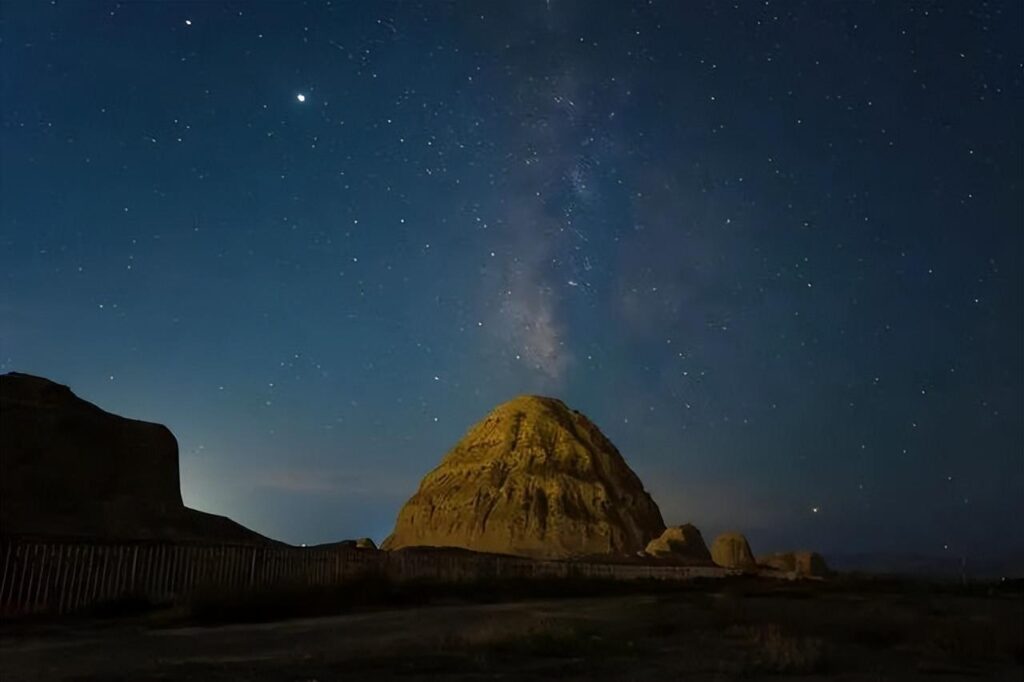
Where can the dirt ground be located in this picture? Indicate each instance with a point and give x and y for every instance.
(779, 633)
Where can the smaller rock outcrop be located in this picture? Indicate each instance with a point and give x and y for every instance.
(361, 543)
(731, 550)
(803, 563)
(683, 543)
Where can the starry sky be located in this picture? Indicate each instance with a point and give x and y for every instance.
(775, 250)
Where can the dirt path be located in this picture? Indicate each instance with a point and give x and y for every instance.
(696, 636)
(202, 653)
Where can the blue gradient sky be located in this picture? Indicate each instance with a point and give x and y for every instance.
(774, 251)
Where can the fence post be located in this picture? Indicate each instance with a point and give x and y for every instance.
(24, 594)
(62, 579)
(7, 563)
(135, 563)
(101, 575)
(44, 565)
(54, 570)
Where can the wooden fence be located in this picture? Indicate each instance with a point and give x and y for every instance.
(64, 578)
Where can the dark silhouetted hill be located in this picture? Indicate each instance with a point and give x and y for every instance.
(70, 470)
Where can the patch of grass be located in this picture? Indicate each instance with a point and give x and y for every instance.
(663, 627)
(960, 641)
(123, 607)
(730, 609)
(285, 601)
(771, 650)
(876, 626)
(876, 635)
(544, 638)
(509, 642)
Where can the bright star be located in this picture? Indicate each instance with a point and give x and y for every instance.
(300, 97)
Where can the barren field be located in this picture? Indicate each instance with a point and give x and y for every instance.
(740, 630)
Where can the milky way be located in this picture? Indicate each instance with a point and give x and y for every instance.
(772, 249)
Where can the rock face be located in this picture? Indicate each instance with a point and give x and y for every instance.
(68, 469)
(536, 479)
(684, 543)
(802, 563)
(731, 550)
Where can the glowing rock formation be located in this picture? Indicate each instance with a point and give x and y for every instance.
(534, 478)
(731, 550)
(684, 543)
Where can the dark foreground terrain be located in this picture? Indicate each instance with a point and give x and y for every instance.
(738, 629)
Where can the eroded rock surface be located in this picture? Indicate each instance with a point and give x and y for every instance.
(731, 550)
(533, 478)
(684, 543)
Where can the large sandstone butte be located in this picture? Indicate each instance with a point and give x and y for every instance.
(70, 470)
(534, 479)
(803, 563)
(682, 543)
(731, 550)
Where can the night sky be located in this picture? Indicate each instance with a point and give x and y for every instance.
(774, 250)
